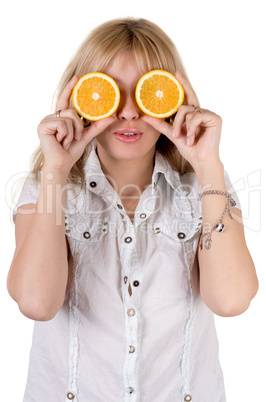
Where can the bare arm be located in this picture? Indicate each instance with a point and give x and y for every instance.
(39, 270)
(38, 274)
(228, 279)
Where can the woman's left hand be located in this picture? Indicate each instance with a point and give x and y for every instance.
(196, 134)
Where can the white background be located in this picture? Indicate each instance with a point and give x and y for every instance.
(223, 48)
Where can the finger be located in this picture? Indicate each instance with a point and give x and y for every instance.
(96, 128)
(76, 121)
(62, 129)
(196, 120)
(64, 98)
(52, 127)
(205, 118)
(68, 137)
(190, 95)
(180, 118)
(159, 125)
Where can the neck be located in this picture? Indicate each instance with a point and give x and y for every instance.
(128, 177)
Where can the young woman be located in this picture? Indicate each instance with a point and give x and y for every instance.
(107, 258)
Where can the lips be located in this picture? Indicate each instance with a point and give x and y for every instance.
(134, 136)
(128, 130)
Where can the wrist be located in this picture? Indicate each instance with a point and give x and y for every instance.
(55, 173)
(210, 174)
(53, 192)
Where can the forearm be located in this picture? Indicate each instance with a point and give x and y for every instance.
(39, 270)
(228, 279)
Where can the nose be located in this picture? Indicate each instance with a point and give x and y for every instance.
(128, 108)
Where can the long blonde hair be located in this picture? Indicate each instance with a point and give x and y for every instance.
(152, 48)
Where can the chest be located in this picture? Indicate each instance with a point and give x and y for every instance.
(130, 208)
(151, 260)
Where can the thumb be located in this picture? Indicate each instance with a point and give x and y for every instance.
(64, 98)
(159, 125)
(96, 128)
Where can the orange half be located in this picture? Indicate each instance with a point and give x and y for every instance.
(95, 96)
(159, 94)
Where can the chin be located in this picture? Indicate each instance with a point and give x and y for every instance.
(126, 152)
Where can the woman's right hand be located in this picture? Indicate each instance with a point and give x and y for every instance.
(63, 139)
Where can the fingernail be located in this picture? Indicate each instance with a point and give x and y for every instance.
(73, 79)
(67, 146)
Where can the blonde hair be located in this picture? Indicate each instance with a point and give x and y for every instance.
(152, 48)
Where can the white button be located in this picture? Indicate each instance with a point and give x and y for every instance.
(131, 312)
(188, 398)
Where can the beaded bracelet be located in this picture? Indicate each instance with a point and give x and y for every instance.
(219, 227)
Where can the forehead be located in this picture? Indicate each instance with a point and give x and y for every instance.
(124, 68)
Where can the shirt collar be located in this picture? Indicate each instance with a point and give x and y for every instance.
(93, 169)
(162, 166)
(93, 165)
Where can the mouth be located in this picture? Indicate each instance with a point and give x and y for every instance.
(128, 135)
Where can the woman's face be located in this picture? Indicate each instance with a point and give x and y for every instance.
(113, 141)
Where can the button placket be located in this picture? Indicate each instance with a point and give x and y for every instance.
(131, 304)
